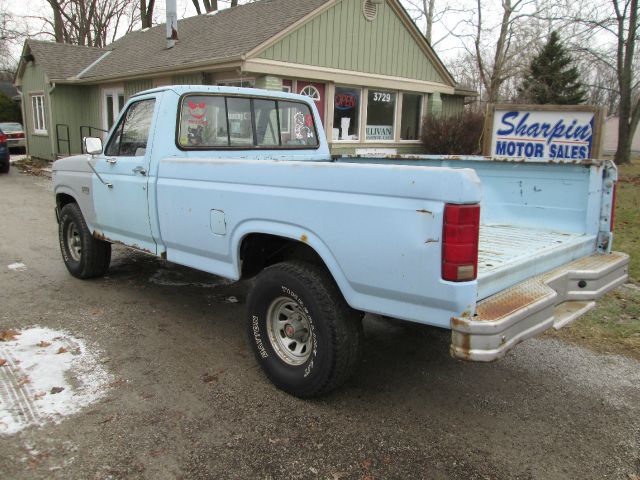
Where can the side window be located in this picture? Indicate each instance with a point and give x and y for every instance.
(214, 121)
(203, 122)
(299, 120)
(131, 136)
(266, 123)
(240, 128)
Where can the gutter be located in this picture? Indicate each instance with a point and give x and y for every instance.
(152, 73)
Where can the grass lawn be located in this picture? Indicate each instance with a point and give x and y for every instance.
(614, 326)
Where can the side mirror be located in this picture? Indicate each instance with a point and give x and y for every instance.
(92, 145)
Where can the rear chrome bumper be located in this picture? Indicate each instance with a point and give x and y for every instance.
(552, 299)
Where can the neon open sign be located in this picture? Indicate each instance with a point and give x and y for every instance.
(345, 101)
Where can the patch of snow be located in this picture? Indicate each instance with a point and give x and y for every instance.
(48, 375)
(18, 267)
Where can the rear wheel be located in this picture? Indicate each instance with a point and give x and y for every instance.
(5, 167)
(304, 335)
(83, 255)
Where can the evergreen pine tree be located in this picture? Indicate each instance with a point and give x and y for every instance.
(552, 77)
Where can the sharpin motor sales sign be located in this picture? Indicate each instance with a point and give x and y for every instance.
(549, 132)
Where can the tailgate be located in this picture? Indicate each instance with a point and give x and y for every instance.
(552, 299)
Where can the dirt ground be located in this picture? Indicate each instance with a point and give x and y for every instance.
(186, 399)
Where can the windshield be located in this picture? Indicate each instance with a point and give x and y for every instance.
(10, 127)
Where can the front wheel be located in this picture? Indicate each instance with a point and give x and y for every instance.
(304, 335)
(83, 255)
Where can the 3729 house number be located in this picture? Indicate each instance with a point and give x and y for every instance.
(381, 97)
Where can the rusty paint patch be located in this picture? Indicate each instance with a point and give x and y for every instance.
(104, 238)
(304, 238)
(432, 240)
(427, 212)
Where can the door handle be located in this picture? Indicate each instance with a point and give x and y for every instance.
(139, 170)
(112, 161)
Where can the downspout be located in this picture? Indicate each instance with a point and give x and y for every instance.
(52, 130)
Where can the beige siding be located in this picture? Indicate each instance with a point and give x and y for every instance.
(452, 105)
(33, 81)
(74, 106)
(134, 86)
(188, 79)
(342, 38)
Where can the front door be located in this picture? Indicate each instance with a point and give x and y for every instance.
(112, 103)
(122, 209)
(314, 91)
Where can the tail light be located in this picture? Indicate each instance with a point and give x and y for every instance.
(460, 238)
(3, 138)
(613, 206)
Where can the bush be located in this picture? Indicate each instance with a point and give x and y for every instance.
(9, 110)
(457, 135)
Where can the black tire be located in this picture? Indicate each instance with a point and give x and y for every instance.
(94, 256)
(5, 168)
(335, 329)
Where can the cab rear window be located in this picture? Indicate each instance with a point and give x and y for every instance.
(210, 122)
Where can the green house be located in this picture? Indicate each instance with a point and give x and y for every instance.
(373, 75)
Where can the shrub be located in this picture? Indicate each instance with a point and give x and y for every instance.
(455, 135)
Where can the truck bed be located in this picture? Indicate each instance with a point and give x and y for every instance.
(509, 254)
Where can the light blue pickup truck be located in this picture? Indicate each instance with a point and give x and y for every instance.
(240, 183)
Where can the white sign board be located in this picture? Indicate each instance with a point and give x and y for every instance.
(379, 132)
(530, 131)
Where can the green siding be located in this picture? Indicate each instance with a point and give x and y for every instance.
(188, 79)
(134, 86)
(341, 37)
(452, 105)
(269, 82)
(33, 81)
(75, 105)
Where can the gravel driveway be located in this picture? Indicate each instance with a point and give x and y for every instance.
(182, 396)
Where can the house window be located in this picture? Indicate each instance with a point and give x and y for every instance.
(346, 114)
(381, 110)
(411, 116)
(237, 82)
(37, 108)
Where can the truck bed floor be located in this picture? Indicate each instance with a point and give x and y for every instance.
(510, 254)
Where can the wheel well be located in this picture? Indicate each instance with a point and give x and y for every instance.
(63, 199)
(260, 250)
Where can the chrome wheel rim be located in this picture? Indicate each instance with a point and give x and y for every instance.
(289, 331)
(74, 244)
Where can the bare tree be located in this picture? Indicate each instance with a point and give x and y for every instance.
(606, 33)
(626, 26)
(146, 12)
(213, 5)
(91, 22)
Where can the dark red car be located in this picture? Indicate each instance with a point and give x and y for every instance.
(4, 153)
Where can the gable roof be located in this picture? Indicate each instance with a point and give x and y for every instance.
(228, 34)
(61, 61)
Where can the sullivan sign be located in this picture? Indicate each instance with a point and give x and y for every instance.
(543, 132)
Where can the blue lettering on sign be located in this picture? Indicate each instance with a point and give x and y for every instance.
(522, 137)
(546, 131)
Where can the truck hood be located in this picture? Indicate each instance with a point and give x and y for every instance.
(75, 163)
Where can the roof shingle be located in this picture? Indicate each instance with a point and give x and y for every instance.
(226, 34)
(61, 61)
